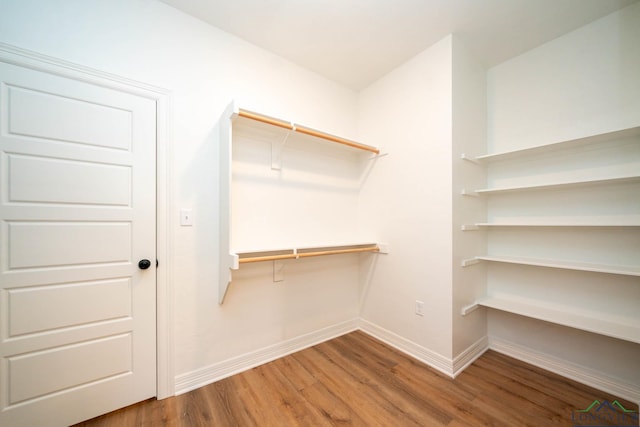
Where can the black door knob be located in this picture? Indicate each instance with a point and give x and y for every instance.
(144, 264)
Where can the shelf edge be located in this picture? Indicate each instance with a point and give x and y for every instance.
(484, 191)
(601, 137)
(564, 265)
(627, 331)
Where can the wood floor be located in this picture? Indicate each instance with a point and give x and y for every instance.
(355, 380)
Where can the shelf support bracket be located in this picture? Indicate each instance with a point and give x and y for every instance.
(468, 262)
(473, 160)
(469, 193)
(469, 309)
(276, 152)
(469, 227)
(278, 271)
(377, 156)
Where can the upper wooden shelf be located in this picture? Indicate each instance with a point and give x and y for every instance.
(294, 127)
(539, 149)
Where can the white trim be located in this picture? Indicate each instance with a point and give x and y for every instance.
(164, 283)
(431, 358)
(469, 355)
(573, 371)
(209, 374)
(452, 368)
(164, 249)
(56, 66)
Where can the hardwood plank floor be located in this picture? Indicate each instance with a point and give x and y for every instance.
(355, 380)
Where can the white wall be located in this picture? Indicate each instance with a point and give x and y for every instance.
(583, 83)
(407, 198)
(586, 82)
(204, 68)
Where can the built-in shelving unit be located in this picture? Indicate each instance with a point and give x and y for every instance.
(605, 170)
(283, 135)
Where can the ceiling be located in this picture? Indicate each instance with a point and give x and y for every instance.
(355, 42)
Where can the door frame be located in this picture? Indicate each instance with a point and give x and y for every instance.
(165, 383)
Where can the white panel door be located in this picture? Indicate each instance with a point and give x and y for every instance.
(77, 214)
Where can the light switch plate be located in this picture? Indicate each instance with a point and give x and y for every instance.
(186, 217)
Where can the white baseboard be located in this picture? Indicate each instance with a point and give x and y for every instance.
(431, 358)
(469, 355)
(567, 369)
(217, 371)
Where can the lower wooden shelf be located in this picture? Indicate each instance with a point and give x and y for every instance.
(235, 258)
(297, 253)
(612, 325)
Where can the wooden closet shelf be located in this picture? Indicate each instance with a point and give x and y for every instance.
(275, 255)
(305, 130)
(298, 144)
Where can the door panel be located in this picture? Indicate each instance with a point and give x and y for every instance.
(77, 212)
(45, 115)
(25, 369)
(37, 244)
(56, 306)
(37, 180)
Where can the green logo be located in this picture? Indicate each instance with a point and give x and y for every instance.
(605, 413)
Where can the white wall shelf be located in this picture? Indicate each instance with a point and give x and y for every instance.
(572, 223)
(340, 161)
(561, 264)
(560, 145)
(613, 325)
(561, 185)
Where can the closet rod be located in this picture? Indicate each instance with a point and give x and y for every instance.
(308, 254)
(336, 139)
(265, 119)
(307, 131)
